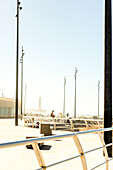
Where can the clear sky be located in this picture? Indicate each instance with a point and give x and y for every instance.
(57, 36)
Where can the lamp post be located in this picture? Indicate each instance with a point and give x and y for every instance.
(108, 75)
(64, 96)
(25, 98)
(98, 96)
(17, 56)
(75, 93)
(21, 61)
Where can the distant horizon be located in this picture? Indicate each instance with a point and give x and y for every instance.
(51, 110)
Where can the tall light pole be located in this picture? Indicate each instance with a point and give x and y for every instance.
(17, 56)
(21, 61)
(98, 96)
(75, 93)
(25, 98)
(108, 75)
(64, 96)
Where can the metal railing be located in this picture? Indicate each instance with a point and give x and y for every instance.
(67, 122)
(73, 135)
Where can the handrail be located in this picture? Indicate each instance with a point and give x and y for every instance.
(42, 139)
(74, 135)
(55, 122)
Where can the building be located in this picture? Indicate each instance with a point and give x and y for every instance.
(7, 107)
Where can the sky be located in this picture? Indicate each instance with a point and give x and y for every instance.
(57, 36)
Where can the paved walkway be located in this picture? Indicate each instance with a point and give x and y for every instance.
(21, 158)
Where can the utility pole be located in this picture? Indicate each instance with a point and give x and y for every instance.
(108, 75)
(98, 96)
(75, 93)
(17, 56)
(64, 96)
(21, 61)
(25, 98)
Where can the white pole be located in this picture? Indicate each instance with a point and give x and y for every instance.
(75, 93)
(64, 96)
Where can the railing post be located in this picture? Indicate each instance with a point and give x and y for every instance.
(86, 124)
(80, 150)
(104, 149)
(98, 124)
(32, 121)
(39, 155)
(54, 121)
(72, 125)
(27, 122)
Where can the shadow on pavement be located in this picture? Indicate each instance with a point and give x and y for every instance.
(45, 147)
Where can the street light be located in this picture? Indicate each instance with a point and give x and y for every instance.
(25, 98)
(17, 56)
(64, 96)
(98, 96)
(21, 61)
(75, 93)
(108, 74)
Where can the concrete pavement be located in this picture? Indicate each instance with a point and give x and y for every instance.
(21, 158)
